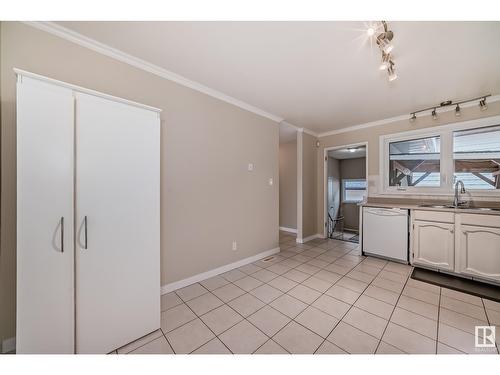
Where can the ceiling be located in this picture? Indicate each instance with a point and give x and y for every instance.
(322, 76)
(359, 152)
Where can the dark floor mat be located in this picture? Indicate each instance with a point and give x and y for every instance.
(473, 287)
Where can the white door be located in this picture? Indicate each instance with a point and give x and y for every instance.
(434, 244)
(45, 303)
(118, 224)
(479, 252)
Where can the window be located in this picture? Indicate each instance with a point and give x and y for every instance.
(476, 155)
(415, 162)
(430, 161)
(353, 190)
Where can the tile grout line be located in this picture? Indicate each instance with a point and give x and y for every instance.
(363, 310)
(340, 320)
(347, 252)
(438, 320)
(489, 323)
(268, 304)
(310, 305)
(392, 313)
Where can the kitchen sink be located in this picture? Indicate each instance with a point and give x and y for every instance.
(436, 206)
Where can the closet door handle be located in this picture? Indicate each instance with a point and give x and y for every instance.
(85, 232)
(62, 234)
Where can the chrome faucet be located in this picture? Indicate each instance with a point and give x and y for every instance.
(457, 202)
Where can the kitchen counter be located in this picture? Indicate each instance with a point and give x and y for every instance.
(415, 206)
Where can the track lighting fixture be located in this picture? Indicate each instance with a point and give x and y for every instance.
(447, 103)
(385, 61)
(385, 45)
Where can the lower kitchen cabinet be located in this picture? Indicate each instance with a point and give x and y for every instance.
(478, 251)
(433, 244)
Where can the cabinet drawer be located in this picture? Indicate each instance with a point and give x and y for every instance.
(442, 217)
(482, 220)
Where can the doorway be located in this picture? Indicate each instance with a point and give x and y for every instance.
(345, 188)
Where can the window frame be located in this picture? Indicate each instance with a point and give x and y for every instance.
(344, 189)
(447, 167)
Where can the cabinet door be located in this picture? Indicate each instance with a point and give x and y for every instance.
(433, 244)
(479, 251)
(118, 224)
(45, 303)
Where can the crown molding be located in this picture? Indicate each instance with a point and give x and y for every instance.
(491, 99)
(136, 62)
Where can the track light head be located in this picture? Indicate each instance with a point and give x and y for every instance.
(482, 104)
(413, 117)
(434, 114)
(392, 73)
(370, 31)
(457, 111)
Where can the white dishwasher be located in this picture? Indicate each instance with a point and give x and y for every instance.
(385, 233)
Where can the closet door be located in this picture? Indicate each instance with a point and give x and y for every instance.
(45, 135)
(118, 224)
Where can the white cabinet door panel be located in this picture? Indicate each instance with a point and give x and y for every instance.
(479, 251)
(117, 189)
(433, 244)
(45, 300)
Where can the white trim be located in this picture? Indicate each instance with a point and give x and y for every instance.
(491, 99)
(136, 62)
(291, 230)
(300, 139)
(310, 238)
(8, 345)
(446, 133)
(325, 177)
(217, 271)
(23, 73)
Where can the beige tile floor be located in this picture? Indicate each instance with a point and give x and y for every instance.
(320, 298)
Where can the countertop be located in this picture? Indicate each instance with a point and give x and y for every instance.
(412, 206)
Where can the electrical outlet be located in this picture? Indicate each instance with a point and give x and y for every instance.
(235, 246)
(271, 182)
(250, 167)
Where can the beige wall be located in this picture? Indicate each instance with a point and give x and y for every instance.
(208, 198)
(288, 184)
(307, 159)
(371, 135)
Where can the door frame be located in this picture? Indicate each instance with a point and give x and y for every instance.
(325, 179)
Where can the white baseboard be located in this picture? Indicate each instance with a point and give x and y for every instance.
(217, 271)
(291, 230)
(314, 236)
(8, 345)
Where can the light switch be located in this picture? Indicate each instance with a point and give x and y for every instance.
(271, 182)
(250, 167)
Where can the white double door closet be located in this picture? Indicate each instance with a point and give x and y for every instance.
(88, 219)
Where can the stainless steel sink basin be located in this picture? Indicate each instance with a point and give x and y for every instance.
(435, 206)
